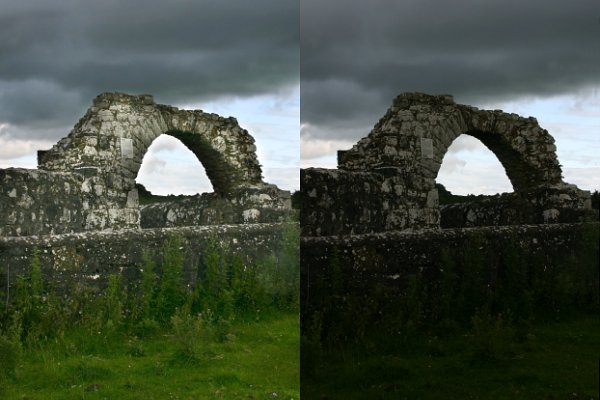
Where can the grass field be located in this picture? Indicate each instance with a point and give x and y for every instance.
(254, 360)
(555, 361)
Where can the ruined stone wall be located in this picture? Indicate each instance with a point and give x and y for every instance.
(520, 208)
(88, 258)
(347, 202)
(407, 147)
(117, 130)
(247, 205)
(87, 180)
(34, 202)
(417, 130)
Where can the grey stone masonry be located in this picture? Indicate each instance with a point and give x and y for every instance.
(389, 175)
(89, 258)
(518, 209)
(86, 181)
(117, 130)
(248, 205)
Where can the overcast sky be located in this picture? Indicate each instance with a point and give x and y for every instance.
(537, 58)
(239, 58)
(236, 58)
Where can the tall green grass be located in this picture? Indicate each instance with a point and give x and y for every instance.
(156, 315)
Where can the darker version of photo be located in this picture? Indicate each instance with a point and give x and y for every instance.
(449, 223)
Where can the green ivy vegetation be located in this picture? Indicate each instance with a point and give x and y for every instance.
(233, 330)
(484, 315)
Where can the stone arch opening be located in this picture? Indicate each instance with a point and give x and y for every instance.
(525, 152)
(471, 168)
(170, 168)
(523, 172)
(213, 153)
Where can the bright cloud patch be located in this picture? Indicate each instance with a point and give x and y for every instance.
(171, 168)
(471, 168)
(319, 148)
(19, 153)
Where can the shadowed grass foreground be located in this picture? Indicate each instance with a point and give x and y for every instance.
(489, 317)
(558, 360)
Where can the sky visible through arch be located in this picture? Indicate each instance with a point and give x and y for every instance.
(233, 58)
(160, 170)
(538, 58)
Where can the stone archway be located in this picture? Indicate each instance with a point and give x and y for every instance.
(87, 180)
(117, 130)
(417, 130)
(388, 178)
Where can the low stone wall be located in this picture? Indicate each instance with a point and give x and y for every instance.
(259, 204)
(548, 205)
(383, 255)
(369, 276)
(89, 258)
(43, 202)
(38, 202)
(341, 202)
(348, 202)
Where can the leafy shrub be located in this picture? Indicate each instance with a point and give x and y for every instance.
(228, 286)
(86, 309)
(270, 286)
(289, 267)
(491, 287)
(146, 327)
(413, 310)
(188, 333)
(135, 347)
(213, 287)
(141, 301)
(244, 286)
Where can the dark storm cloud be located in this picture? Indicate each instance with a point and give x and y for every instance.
(55, 56)
(358, 55)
